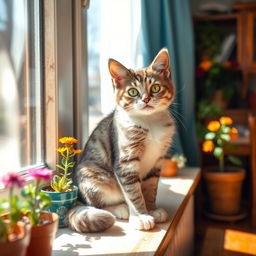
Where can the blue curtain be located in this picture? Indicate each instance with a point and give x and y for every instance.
(168, 23)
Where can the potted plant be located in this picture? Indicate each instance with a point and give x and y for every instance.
(62, 192)
(170, 165)
(14, 234)
(218, 81)
(223, 183)
(43, 224)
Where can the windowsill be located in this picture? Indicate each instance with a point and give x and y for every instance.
(122, 239)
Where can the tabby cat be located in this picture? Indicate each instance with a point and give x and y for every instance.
(119, 170)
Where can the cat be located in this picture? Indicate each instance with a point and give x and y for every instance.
(119, 169)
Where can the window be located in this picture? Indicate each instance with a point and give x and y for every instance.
(113, 32)
(20, 85)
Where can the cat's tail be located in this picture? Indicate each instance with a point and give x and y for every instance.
(89, 219)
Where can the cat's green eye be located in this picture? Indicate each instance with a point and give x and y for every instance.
(155, 88)
(133, 92)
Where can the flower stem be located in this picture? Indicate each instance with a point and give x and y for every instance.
(10, 199)
(221, 162)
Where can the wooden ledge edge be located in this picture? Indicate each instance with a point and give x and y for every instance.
(171, 230)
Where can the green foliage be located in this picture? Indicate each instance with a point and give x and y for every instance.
(206, 109)
(219, 77)
(208, 39)
(35, 202)
(218, 138)
(13, 208)
(235, 160)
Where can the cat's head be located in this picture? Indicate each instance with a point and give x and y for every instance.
(145, 91)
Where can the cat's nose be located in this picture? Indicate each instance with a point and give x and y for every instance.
(146, 100)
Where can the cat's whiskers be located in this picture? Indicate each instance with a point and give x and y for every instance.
(178, 117)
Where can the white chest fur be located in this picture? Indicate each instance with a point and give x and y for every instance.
(155, 146)
(159, 136)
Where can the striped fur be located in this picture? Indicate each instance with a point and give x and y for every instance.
(120, 166)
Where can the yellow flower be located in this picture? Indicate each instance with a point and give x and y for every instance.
(62, 149)
(208, 146)
(226, 120)
(205, 65)
(68, 140)
(213, 126)
(233, 133)
(77, 151)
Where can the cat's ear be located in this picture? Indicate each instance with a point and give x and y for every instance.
(117, 70)
(161, 63)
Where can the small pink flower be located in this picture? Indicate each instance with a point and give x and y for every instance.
(13, 179)
(42, 173)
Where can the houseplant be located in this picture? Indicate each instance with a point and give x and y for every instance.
(62, 192)
(14, 234)
(170, 165)
(223, 183)
(217, 81)
(43, 224)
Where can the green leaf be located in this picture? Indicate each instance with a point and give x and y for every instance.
(226, 129)
(4, 206)
(62, 182)
(72, 164)
(56, 179)
(55, 187)
(60, 167)
(210, 136)
(219, 142)
(225, 137)
(63, 161)
(218, 152)
(235, 160)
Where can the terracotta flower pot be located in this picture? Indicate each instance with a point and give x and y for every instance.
(169, 168)
(219, 99)
(224, 189)
(19, 241)
(42, 236)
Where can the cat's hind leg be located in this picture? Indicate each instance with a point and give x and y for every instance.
(120, 211)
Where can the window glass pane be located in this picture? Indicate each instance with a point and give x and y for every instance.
(20, 85)
(113, 32)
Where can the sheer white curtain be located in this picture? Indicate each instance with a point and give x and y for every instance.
(120, 24)
(113, 32)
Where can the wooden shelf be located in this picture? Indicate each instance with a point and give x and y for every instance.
(216, 17)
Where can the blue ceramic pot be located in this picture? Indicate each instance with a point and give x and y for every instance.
(62, 202)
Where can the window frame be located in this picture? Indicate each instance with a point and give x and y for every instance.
(65, 75)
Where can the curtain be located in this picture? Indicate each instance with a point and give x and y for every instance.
(168, 23)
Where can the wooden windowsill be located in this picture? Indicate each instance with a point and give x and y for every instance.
(121, 239)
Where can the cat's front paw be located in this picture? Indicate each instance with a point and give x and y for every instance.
(142, 222)
(160, 215)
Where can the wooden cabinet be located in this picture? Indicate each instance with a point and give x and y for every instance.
(251, 38)
(243, 22)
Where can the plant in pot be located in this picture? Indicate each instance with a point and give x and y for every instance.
(171, 164)
(223, 183)
(14, 234)
(218, 81)
(62, 192)
(206, 111)
(44, 224)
